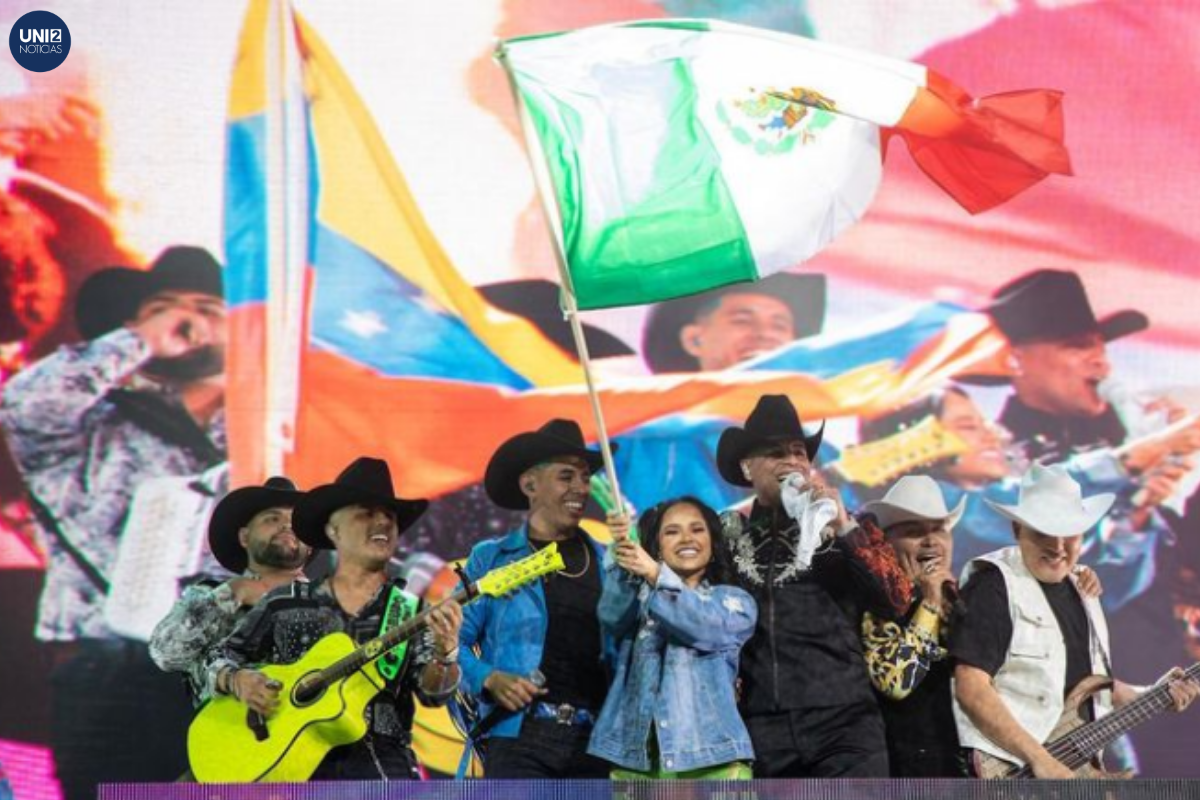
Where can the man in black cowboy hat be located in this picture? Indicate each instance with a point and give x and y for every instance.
(141, 398)
(1061, 375)
(250, 534)
(360, 518)
(460, 519)
(1065, 401)
(726, 326)
(712, 330)
(806, 695)
(539, 678)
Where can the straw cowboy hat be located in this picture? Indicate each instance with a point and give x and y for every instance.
(914, 498)
(1051, 502)
(367, 482)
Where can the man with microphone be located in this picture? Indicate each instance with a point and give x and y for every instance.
(142, 397)
(1066, 401)
(806, 697)
(536, 663)
(907, 656)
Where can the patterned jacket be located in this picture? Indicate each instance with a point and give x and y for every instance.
(289, 620)
(190, 635)
(83, 442)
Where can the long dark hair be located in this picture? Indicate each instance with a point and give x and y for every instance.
(719, 569)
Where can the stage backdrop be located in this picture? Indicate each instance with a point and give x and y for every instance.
(360, 171)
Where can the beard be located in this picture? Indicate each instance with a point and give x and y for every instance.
(279, 556)
(203, 362)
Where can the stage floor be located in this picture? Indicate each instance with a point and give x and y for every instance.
(670, 790)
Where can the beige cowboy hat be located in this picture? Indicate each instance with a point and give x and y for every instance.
(1051, 502)
(914, 498)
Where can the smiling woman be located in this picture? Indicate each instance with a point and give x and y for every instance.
(679, 624)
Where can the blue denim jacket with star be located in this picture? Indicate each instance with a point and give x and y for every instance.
(676, 666)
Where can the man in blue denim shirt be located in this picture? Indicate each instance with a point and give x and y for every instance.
(539, 676)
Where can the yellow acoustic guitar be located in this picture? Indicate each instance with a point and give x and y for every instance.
(883, 460)
(1078, 743)
(323, 696)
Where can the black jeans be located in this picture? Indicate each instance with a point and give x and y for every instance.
(372, 758)
(838, 742)
(544, 749)
(116, 717)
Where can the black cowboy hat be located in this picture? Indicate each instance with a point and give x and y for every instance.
(111, 297)
(1048, 305)
(235, 511)
(538, 301)
(773, 419)
(804, 294)
(367, 481)
(556, 439)
(1051, 305)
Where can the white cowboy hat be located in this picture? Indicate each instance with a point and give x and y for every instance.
(914, 497)
(1052, 503)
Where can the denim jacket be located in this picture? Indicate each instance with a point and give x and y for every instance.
(510, 631)
(677, 662)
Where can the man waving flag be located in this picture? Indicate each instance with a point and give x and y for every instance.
(681, 155)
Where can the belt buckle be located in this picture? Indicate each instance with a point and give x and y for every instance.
(564, 714)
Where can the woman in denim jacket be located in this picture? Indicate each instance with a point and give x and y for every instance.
(680, 624)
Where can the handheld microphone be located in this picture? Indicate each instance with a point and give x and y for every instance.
(499, 713)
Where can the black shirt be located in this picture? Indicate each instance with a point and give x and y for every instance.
(922, 736)
(571, 657)
(982, 637)
(1051, 438)
(806, 651)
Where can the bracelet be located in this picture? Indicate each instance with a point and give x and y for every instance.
(447, 659)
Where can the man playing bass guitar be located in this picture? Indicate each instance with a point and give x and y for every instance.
(1028, 638)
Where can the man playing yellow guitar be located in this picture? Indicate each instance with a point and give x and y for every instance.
(360, 518)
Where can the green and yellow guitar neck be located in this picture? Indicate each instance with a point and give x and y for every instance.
(323, 697)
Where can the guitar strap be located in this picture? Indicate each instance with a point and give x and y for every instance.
(400, 608)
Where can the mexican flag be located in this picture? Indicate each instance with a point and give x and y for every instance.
(681, 155)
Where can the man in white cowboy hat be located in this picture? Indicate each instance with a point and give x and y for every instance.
(359, 516)
(250, 534)
(905, 657)
(806, 697)
(1029, 637)
(539, 678)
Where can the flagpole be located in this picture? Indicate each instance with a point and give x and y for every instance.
(541, 179)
